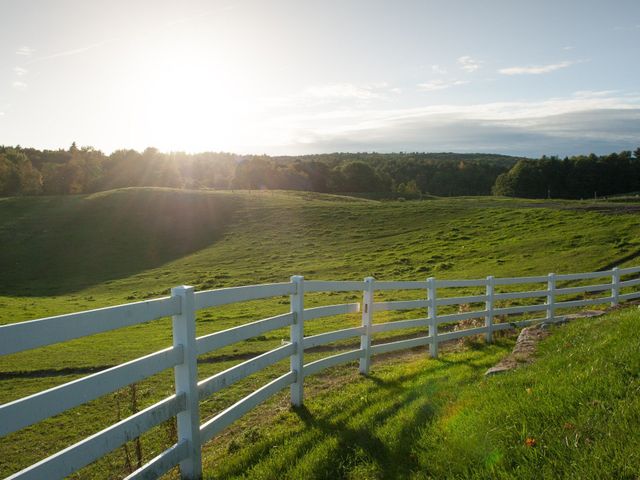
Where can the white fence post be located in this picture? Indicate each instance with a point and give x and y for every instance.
(186, 380)
(433, 316)
(551, 297)
(615, 286)
(488, 305)
(367, 320)
(297, 339)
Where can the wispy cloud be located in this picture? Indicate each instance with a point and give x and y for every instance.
(568, 47)
(535, 69)
(19, 85)
(595, 93)
(332, 93)
(344, 90)
(439, 85)
(438, 69)
(25, 51)
(74, 51)
(20, 71)
(469, 64)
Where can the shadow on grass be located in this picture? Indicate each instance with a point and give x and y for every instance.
(338, 437)
(59, 245)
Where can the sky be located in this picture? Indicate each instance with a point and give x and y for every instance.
(515, 77)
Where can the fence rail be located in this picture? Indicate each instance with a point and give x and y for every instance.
(182, 356)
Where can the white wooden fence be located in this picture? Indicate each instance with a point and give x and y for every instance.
(183, 304)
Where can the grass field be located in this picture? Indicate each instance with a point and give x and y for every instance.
(572, 414)
(64, 254)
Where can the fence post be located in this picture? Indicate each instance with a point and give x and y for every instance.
(186, 380)
(551, 297)
(297, 339)
(367, 320)
(433, 317)
(488, 305)
(615, 286)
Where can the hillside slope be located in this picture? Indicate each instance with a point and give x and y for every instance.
(57, 245)
(137, 243)
(572, 414)
(83, 252)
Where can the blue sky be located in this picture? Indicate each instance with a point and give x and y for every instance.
(290, 77)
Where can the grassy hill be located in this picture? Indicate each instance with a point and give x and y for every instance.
(572, 414)
(64, 254)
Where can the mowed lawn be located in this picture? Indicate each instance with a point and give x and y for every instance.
(64, 254)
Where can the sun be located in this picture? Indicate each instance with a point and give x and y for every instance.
(189, 99)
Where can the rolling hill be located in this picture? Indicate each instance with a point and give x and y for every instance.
(64, 254)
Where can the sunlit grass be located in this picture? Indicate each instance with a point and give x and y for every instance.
(572, 414)
(239, 238)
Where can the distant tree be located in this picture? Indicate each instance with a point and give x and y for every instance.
(361, 177)
(318, 175)
(581, 176)
(80, 170)
(409, 189)
(54, 181)
(504, 186)
(18, 177)
(160, 169)
(254, 174)
(7, 176)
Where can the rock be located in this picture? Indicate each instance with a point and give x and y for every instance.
(523, 351)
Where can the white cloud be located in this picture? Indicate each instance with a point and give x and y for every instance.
(25, 51)
(439, 85)
(568, 47)
(469, 64)
(580, 123)
(594, 93)
(438, 69)
(535, 69)
(341, 91)
(320, 95)
(20, 71)
(19, 85)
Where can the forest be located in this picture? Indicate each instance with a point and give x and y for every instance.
(29, 171)
(582, 176)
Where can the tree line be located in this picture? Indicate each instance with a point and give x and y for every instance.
(581, 176)
(28, 171)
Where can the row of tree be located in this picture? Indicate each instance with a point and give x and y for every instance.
(27, 171)
(575, 177)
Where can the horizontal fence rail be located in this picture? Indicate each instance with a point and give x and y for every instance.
(21, 336)
(29, 410)
(445, 314)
